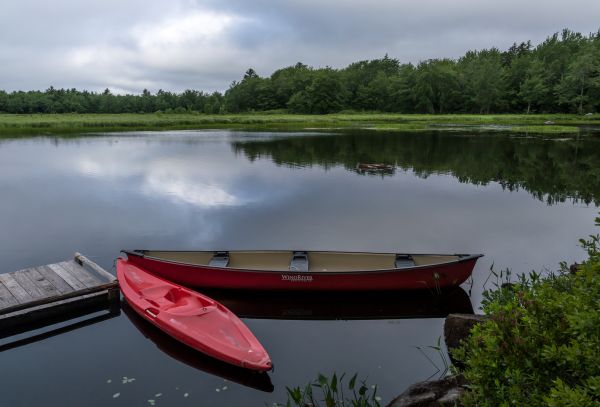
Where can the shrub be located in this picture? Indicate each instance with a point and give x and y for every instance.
(541, 344)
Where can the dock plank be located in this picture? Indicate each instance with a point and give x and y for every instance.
(27, 284)
(6, 298)
(41, 282)
(65, 275)
(98, 271)
(80, 273)
(15, 288)
(56, 280)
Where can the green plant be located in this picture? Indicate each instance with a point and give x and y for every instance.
(541, 344)
(332, 393)
(437, 348)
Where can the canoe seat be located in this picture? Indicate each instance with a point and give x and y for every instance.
(404, 261)
(299, 262)
(220, 259)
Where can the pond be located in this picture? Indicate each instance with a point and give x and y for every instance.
(523, 202)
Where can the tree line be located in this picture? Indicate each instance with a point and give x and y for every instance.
(560, 75)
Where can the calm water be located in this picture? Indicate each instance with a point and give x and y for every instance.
(523, 202)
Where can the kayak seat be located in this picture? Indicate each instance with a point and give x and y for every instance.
(299, 262)
(188, 307)
(157, 295)
(174, 300)
(220, 259)
(404, 261)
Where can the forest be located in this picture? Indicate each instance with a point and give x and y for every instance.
(559, 75)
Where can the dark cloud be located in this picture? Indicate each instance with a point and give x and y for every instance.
(181, 44)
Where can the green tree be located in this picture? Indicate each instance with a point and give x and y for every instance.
(401, 94)
(288, 81)
(375, 95)
(359, 77)
(581, 79)
(326, 92)
(484, 78)
(437, 88)
(247, 94)
(3, 101)
(534, 89)
(299, 102)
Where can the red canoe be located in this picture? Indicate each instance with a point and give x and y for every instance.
(191, 318)
(311, 271)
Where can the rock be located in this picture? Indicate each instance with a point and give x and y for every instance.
(589, 114)
(574, 268)
(451, 397)
(457, 327)
(444, 392)
(548, 122)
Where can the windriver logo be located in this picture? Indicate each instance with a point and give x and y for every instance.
(296, 278)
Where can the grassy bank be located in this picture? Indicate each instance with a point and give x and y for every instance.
(76, 123)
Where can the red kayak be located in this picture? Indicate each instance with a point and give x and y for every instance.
(307, 270)
(191, 318)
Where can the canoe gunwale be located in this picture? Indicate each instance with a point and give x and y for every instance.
(461, 259)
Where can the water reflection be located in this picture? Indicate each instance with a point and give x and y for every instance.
(552, 170)
(344, 306)
(195, 359)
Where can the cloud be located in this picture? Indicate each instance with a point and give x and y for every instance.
(180, 44)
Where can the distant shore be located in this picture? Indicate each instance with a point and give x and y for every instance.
(40, 124)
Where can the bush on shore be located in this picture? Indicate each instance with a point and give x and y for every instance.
(541, 344)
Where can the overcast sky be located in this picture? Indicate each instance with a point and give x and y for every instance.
(129, 45)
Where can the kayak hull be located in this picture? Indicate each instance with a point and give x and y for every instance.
(190, 317)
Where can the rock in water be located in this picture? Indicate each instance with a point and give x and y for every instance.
(457, 327)
(444, 392)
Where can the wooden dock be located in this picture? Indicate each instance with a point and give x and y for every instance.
(46, 294)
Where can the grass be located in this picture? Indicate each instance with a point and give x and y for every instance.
(544, 129)
(78, 123)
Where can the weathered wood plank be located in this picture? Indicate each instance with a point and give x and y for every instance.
(6, 298)
(79, 273)
(27, 284)
(61, 285)
(84, 261)
(15, 288)
(65, 275)
(41, 301)
(41, 282)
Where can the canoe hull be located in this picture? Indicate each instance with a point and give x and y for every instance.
(434, 277)
(193, 319)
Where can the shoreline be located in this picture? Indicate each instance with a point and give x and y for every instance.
(65, 123)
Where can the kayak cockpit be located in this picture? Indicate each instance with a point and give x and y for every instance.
(174, 300)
